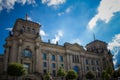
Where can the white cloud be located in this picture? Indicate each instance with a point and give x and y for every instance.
(106, 11)
(9, 4)
(114, 46)
(29, 18)
(53, 2)
(66, 11)
(57, 36)
(76, 41)
(61, 13)
(9, 29)
(42, 33)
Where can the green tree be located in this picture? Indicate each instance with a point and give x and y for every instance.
(90, 75)
(72, 75)
(16, 70)
(115, 74)
(61, 72)
(105, 75)
(109, 70)
(47, 76)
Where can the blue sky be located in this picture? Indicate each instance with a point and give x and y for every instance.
(72, 21)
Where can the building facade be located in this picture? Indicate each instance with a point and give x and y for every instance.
(24, 45)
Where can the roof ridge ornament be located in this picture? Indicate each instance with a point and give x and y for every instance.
(26, 17)
(94, 36)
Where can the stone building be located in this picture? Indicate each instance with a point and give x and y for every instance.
(24, 45)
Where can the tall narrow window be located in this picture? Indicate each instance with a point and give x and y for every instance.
(44, 64)
(97, 63)
(62, 65)
(53, 57)
(92, 62)
(61, 58)
(86, 61)
(44, 71)
(53, 65)
(44, 56)
(27, 67)
(77, 58)
(87, 68)
(54, 73)
(73, 58)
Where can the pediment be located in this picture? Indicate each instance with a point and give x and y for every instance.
(76, 47)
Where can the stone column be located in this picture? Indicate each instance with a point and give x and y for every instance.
(49, 62)
(6, 59)
(37, 67)
(70, 59)
(67, 62)
(13, 52)
(57, 61)
(19, 51)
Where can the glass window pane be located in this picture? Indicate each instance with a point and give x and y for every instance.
(44, 56)
(53, 65)
(27, 53)
(26, 66)
(44, 64)
(61, 58)
(53, 57)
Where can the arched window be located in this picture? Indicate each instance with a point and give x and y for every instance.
(33, 30)
(27, 53)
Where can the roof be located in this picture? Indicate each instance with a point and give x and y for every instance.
(95, 41)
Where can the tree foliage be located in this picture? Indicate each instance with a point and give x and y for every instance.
(116, 73)
(16, 69)
(90, 75)
(72, 74)
(47, 76)
(106, 75)
(109, 70)
(61, 72)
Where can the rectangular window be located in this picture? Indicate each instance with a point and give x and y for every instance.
(87, 68)
(92, 62)
(44, 64)
(86, 61)
(93, 68)
(97, 63)
(73, 58)
(27, 67)
(54, 73)
(44, 56)
(44, 71)
(61, 58)
(62, 65)
(77, 58)
(53, 65)
(53, 57)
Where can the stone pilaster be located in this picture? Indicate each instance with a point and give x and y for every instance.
(6, 59)
(37, 65)
(49, 62)
(19, 51)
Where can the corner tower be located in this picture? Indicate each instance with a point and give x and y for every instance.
(23, 45)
